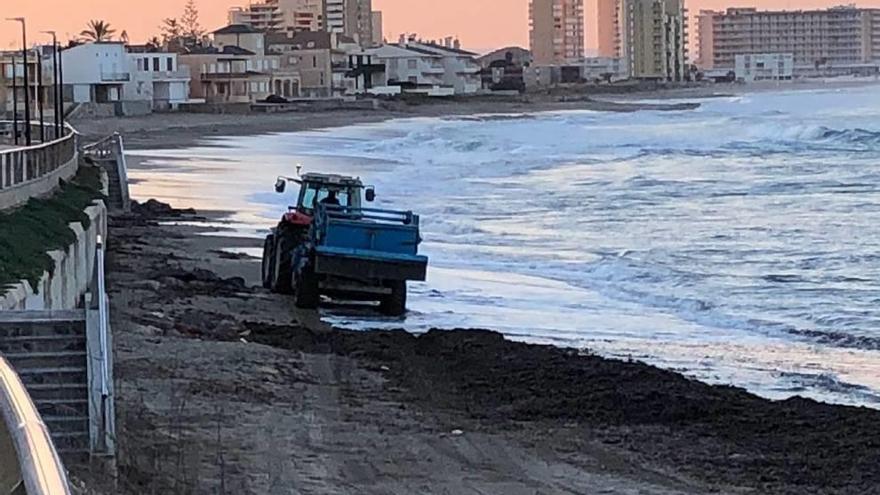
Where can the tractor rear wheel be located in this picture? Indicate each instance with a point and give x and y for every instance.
(268, 265)
(394, 304)
(308, 292)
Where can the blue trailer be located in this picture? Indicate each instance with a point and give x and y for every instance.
(330, 245)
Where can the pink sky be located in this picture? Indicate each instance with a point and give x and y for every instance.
(481, 24)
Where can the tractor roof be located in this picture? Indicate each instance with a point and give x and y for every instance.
(341, 180)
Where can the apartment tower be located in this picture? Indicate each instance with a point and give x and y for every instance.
(378, 29)
(836, 37)
(353, 18)
(653, 39)
(556, 31)
(288, 16)
(608, 32)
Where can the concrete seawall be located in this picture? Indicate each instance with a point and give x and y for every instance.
(63, 288)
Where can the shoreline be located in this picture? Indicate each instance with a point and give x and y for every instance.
(180, 130)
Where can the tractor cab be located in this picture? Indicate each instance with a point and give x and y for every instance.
(317, 189)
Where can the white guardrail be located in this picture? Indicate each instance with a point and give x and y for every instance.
(22, 165)
(29, 464)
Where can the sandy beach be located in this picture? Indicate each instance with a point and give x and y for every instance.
(226, 388)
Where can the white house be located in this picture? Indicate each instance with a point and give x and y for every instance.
(460, 67)
(764, 67)
(157, 77)
(107, 73)
(96, 72)
(418, 71)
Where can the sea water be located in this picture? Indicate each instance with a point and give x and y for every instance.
(738, 243)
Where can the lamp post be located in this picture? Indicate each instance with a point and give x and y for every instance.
(55, 89)
(27, 97)
(14, 102)
(39, 98)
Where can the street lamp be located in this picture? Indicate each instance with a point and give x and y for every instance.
(14, 102)
(27, 97)
(56, 90)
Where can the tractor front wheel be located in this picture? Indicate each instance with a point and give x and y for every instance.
(268, 265)
(285, 242)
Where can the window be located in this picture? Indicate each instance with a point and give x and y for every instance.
(169, 64)
(314, 61)
(313, 196)
(412, 63)
(156, 64)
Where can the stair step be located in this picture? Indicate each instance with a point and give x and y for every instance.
(45, 392)
(68, 442)
(66, 424)
(62, 407)
(53, 375)
(42, 344)
(24, 360)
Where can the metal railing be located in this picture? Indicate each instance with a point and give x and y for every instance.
(20, 166)
(112, 148)
(39, 470)
(102, 428)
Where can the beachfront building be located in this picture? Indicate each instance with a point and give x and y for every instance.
(556, 31)
(838, 40)
(352, 18)
(764, 67)
(412, 70)
(461, 70)
(280, 16)
(319, 60)
(234, 69)
(603, 69)
(653, 39)
(157, 77)
(96, 72)
(43, 53)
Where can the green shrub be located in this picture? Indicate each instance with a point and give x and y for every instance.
(41, 225)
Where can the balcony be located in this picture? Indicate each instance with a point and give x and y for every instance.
(171, 75)
(225, 75)
(115, 77)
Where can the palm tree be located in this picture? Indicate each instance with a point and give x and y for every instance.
(98, 31)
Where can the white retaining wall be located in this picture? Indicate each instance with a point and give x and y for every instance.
(73, 270)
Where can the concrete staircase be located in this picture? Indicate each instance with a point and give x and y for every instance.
(115, 197)
(109, 154)
(48, 350)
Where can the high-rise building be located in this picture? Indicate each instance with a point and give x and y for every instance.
(353, 18)
(837, 37)
(287, 16)
(608, 19)
(556, 31)
(653, 39)
(378, 36)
